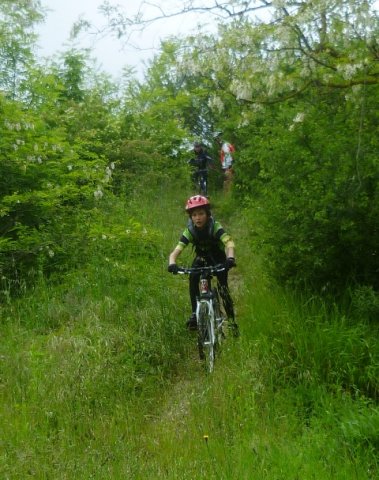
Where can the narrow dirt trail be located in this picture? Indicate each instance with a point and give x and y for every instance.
(183, 413)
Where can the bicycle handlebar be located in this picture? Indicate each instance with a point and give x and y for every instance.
(211, 269)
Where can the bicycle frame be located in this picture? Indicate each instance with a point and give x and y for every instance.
(202, 181)
(209, 321)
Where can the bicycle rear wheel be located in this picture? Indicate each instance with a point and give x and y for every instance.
(206, 337)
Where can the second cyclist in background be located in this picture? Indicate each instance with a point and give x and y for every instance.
(200, 164)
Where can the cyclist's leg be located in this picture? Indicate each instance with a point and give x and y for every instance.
(222, 278)
(194, 294)
(194, 279)
(228, 179)
(205, 183)
(195, 178)
(194, 289)
(219, 316)
(227, 300)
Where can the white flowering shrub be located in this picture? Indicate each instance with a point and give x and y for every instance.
(44, 187)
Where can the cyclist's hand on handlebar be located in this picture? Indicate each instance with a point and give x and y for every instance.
(230, 263)
(173, 268)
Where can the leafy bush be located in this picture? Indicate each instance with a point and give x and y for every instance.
(315, 194)
(45, 190)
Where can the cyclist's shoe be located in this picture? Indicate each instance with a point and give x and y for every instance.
(192, 322)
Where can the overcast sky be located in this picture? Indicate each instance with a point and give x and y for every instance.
(54, 33)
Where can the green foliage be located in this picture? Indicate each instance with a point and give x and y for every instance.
(315, 194)
(44, 185)
(17, 20)
(364, 302)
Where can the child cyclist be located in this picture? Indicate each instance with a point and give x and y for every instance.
(212, 244)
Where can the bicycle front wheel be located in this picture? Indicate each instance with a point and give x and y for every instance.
(220, 317)
(206, 336)
(203, 187)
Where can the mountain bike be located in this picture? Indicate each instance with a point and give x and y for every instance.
(210, 314)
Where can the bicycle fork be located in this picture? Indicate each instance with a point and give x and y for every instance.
(208, 330)
(205, 303)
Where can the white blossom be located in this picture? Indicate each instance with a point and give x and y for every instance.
(108, 174)
(299, 118)
(215, 103)
(245, 121)
(257, 107)
(241, 90)
(98, 193)
(349, 70)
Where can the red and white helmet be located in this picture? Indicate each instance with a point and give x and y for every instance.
(196, 202)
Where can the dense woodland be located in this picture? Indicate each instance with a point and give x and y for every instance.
(297, 94)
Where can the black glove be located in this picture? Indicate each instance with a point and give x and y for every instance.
(230, 263)
(173, 268)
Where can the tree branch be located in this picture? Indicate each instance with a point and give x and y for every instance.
(218, 9)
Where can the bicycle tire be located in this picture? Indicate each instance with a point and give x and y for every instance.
(220, 317)
(204, 187)
(206, 343)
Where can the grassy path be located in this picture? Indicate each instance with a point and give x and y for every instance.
(101, 380)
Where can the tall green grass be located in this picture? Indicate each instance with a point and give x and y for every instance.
(100, 379)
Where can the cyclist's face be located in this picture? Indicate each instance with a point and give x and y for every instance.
(199, 217)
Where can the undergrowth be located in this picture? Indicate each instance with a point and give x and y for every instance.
(101, 380)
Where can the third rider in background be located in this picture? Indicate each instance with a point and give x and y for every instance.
(226, 158)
